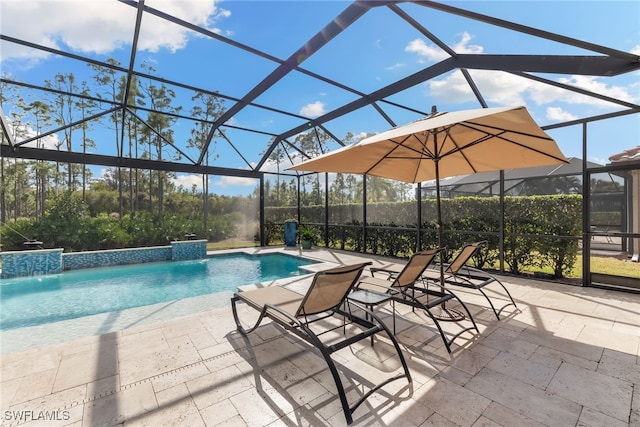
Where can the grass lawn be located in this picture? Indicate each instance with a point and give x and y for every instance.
(608, 265)
(231, 244)
(599, 264)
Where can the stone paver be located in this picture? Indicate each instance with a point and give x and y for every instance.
(567, 356)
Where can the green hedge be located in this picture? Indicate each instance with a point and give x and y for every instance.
(540, 231)
(67, 224)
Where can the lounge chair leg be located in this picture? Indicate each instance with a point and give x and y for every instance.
(241, 329)
(490, 303)
(334, 373)
(381, 326)
(466, 309)
(508, 294)
(447, 343)
(495, 311)
(324, 298)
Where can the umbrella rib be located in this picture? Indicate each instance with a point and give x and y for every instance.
(478, 127)
(412, 146)
(464, 155)
(388, 155)
(425, 154)
(534, 149)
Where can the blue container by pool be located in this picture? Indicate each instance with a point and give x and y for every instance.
(290, 231)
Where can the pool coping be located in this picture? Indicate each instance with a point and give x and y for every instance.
(30, 337)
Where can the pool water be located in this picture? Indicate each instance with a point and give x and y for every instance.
(36, 300)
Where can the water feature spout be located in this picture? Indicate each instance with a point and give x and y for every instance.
(31, 244)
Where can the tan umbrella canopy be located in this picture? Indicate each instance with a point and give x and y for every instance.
(446, 144)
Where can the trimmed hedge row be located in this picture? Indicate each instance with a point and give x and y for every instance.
(540, 231)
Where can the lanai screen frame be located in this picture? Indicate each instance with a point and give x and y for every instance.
(607, 62)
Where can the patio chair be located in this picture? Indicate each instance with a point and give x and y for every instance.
(408, 286)
(325, 298)
(460, 273)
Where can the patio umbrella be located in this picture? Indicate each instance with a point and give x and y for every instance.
(446, 144)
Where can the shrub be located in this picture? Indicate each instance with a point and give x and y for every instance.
(15, 233)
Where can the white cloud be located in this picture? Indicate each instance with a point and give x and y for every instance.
(361, 135)
(99, 26)
(594, 84)
(25, 131)
(271, 166)
(313, 109)
(559, 115)
(463, 45)
(496, 87)
(433, 53)
(507, 89)
(395, 66)
(188, 181)
(598, 160)
(229, 181)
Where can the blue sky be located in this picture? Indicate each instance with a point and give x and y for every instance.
(374, 52)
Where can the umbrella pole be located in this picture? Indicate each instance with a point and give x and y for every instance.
(447, 314)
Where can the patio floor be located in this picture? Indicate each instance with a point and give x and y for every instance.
(567, 356)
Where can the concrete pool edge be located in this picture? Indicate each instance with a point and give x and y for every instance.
(32, 337)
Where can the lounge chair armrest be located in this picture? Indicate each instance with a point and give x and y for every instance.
(389, 271)
(376, 284)
(292, 319)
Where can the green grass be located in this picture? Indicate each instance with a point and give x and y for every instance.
(231, 244)
(603, 265)
(610, 265)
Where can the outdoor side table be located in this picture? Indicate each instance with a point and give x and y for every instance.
(370, 299)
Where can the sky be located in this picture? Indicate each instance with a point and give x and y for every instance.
(372, 53)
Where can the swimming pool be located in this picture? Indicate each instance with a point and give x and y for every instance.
(31, 301)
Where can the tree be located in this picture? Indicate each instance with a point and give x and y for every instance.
(277, 156)
(86, 107)
(111, 89)
(13, 201)
(311, 143)
(380, 190)
(208, 108)
(65, 221)
(338, 191)
(158, 131)
(62, 113)
(551, 185)
(41, 113)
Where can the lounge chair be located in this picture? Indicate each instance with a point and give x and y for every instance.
(409, 287)
(326, 297)
(460, 273)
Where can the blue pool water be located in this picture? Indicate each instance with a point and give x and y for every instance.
(36, 300)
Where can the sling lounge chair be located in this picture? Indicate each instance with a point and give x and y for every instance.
(460, 273)
(409, 287)
(326, 297)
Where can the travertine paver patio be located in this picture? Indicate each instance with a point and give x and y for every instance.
(568, 356)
